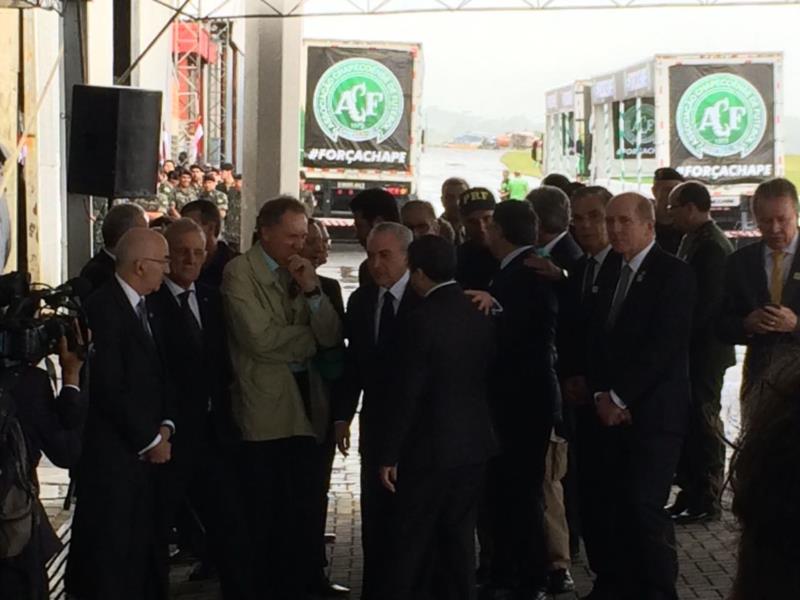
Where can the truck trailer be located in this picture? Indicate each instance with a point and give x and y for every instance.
(361, 125)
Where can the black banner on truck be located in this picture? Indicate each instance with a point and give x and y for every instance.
(358, 108)
(630, 130)
(722, 128)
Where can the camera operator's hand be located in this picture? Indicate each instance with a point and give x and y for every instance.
(70, 362)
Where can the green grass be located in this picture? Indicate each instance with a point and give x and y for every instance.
(521, 161)
(793, 168)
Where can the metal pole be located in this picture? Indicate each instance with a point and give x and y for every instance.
(638, 144)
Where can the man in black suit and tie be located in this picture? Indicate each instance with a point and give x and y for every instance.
(115, 551)
(705, 248)
(199, 475)
(524, 397)
(761, 301)
(375, 313)
(557, 251)
(118, 220)
(218, 253)
(592, 276)
(639, 377)
(437, 436)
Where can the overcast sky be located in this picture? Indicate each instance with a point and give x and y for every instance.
(501, 64)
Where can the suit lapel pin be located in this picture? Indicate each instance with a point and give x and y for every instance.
(796, 276)
(640, 277)
(595, 289)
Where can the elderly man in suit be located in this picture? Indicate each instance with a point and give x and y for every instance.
(639, 377)
(705, 248)
(278, 319)
(761, 301)
(118, 220)
(375, 316)
(196, 352)
(116, 551)
(438, 434)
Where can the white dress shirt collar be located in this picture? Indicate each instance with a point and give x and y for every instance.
(790, 250)
(601, 256)
(131, 294)
(178, 290)
(397, 290)
(439, 286)
(512, 255)
(548, 247)
(113, 257)
(636, 262)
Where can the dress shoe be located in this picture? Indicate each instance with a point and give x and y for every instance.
(560, 582)
(678, 506)
(693, 517)
(325, 589)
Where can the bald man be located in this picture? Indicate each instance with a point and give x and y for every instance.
(638, 373)
(114, 551)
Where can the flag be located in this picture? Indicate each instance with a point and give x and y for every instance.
(196, 147)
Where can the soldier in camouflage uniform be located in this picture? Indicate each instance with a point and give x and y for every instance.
(184, 193)
(233, 221)
(210, 192)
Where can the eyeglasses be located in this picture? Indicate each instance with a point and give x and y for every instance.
(194, 252)
(161, 261)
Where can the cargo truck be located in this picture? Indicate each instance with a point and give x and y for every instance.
(361, 125)
(716, 118)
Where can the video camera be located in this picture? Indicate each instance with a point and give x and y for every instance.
(34, 318)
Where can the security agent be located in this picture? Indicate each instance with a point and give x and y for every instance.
(49, 425)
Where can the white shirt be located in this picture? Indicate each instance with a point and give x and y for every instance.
(512, 255)
(600, 258)
(134, 298)
(788, 259)
(397, 290)
(548, 247)
(440, 285)
(178, 290)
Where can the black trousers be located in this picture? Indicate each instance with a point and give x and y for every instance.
(641, 546)
(325, 453)
(596, 498)
(514, 497)
(282, 507)
(201, 481)
(701, 470)
(435, 524)
(378, 513)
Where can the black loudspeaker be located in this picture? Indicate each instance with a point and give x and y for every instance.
(114, 142)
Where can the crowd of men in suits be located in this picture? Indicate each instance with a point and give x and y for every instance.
(540, 371)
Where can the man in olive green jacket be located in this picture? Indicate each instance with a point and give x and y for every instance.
(278, 320)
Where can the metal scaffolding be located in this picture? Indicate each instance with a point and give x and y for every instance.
(226, 10)
(216, 100)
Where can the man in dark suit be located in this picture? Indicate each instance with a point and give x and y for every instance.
(594, 274)
(115, 551)
(118, 220)
(331, 363)
(375, 315)
(198, 478)
(524, 397)
(705, 248)
(369, 208)
(476, 264)
(761, 301)
(639, 377)
(556, 259)
(556, 245)
(438, 431)
(218, 253)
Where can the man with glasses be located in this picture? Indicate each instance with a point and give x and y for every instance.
(705, 248)
(115, 551)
